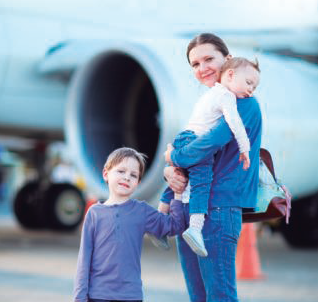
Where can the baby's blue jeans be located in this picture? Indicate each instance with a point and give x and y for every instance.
(200, 178)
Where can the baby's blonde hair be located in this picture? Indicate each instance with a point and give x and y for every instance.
(238, 62)
(118, 155)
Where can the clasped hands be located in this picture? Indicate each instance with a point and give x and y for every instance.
(175, 177)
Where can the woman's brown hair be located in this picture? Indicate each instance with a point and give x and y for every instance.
(207, 38)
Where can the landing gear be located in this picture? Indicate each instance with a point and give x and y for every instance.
(56, 206)
(302, 230)
(64, 206)
(27, 206)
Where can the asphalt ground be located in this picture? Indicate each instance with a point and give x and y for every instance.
(40, 266)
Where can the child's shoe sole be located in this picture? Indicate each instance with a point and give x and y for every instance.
(201, 251)
(161, 243)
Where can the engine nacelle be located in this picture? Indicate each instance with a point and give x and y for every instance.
(128, 95)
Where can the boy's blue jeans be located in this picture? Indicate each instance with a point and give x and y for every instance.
(200, 178)
(213, 278)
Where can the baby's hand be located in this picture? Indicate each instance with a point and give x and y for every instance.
(244, 157)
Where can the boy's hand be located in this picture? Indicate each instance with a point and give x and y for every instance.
(177, 196)
(168, 154)
(163, 207)
(245, 158)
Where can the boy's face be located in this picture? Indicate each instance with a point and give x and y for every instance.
(242, 81)
(123, 178)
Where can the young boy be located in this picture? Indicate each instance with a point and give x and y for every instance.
(239, 78)
(108, 267)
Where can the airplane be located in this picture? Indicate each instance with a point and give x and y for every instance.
(101, 76)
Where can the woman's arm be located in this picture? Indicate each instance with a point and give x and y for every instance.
(202, 147)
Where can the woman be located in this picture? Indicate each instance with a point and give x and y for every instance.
(213, 278)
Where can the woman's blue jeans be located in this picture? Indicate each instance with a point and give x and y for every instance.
(200, 177)
(212, 278)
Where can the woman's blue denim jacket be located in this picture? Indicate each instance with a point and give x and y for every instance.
(231, 185)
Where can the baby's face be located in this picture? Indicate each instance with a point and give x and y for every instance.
(244, 81)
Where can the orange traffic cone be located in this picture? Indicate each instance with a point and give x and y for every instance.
(89, 203)
(248, 265)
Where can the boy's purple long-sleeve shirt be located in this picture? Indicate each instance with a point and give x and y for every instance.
(109, 257)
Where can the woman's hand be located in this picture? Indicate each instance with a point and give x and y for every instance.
(168, 154)
(176, 179)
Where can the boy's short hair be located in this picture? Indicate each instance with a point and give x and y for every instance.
(118, 155)
(238, 62)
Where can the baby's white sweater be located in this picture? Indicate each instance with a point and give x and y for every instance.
(218, 101)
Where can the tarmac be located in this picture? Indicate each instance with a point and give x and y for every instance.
(40, 266)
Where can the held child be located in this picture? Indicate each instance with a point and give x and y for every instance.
(239, 78)
(108, 267)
